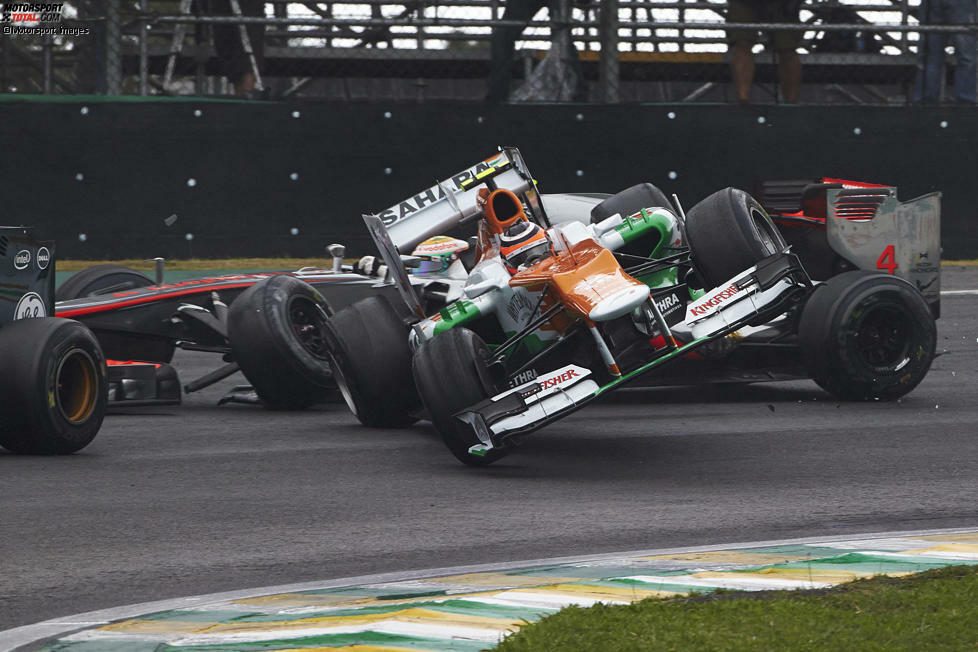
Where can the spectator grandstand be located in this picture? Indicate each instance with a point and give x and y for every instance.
(853, 51)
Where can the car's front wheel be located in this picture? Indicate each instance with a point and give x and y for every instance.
(367, 343)
(451, 374)
(275, 328)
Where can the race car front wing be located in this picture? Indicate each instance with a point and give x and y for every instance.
(758, 294)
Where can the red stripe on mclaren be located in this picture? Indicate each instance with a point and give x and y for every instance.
(150, 299)
(131, 363)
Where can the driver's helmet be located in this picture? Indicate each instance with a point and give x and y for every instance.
(523, 243)
(437, 254)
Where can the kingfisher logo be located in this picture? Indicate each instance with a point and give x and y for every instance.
(559, 379)
(714, 301)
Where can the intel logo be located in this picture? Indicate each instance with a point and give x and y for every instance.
(22, 259)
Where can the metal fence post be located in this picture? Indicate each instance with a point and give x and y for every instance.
(46, 52)
(144, 49)
(608, 74)
(113, 48)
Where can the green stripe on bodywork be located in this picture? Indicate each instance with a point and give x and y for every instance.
(643, 225)
(456, 314)
(532, 343)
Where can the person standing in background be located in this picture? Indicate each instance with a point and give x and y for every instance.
(930, 69)
(234, 61)
(502, 49)
(785, 44)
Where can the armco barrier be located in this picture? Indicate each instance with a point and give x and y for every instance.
(259, 179)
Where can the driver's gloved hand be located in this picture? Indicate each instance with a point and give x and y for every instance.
(370, 266)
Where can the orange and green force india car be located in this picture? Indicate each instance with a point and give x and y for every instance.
(627, 288)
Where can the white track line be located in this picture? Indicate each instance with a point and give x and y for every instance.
(951, 293)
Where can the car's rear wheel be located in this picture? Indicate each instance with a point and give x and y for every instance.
(451, 373)
(54, 386)
(866, 335)
(729, 232)
(101, 279)
(630, 201)
(367, 343)
(275, 328)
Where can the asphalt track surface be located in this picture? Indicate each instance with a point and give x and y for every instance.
(199, 499)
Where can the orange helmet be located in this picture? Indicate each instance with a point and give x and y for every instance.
(523, 243)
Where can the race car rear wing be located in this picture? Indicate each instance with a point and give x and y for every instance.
(864, 224)
(448, 203)
(445, 205)
(873, 230)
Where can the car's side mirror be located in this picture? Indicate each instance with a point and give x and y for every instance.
(337, 251)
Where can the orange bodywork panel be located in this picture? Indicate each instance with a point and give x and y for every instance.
(580, 277)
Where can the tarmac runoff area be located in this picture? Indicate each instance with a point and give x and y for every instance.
(686, 481)
(471, 608)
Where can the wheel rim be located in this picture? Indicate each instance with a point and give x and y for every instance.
(307, 320)
(76, 385)
(883, 339)
(763, 227)
(343, 385)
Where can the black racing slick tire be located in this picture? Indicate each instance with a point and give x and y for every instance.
(101, 279)
(629, 201)
(451, 373)
(275, 328)
(729, 232)
(53, 389)
(866, 335)
(371, 359)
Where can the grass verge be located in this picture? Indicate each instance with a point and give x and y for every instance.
(934, 610)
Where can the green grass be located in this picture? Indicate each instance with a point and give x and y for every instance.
(934, 610)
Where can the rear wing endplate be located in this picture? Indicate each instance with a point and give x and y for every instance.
(395, 266)
(871, 229)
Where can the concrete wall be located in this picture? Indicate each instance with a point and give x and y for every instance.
(115, 171)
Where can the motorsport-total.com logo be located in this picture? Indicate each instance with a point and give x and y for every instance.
(31, 12)
(29, 19)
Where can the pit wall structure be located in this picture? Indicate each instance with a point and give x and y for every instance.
(214, 178)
